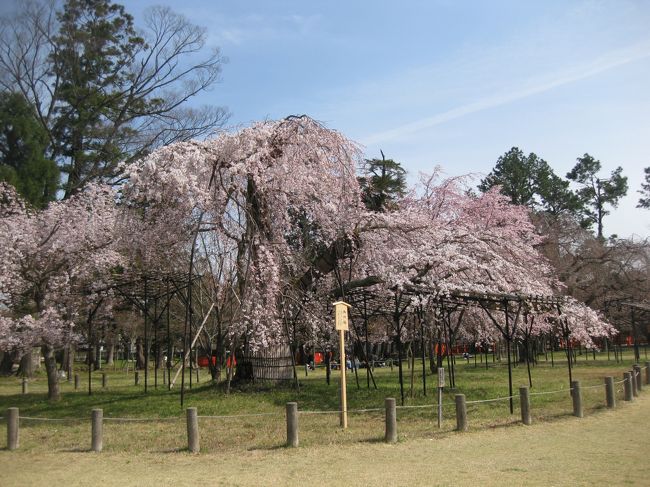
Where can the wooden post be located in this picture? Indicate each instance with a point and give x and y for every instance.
(104, 380)
(609, 392)
(461, 413)
(13, 428)
(137, 378)
(25, 387)
(635, 392)
(647, 373)
(576, 395)
(391, 420)
(341, 324)
(627, 382)
(97, 442)
(343, 369)
(524, 402)
(76, 382)
(292, 424)
(638, 377)
(192, 430)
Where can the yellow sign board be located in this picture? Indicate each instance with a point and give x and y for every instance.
(341, 315)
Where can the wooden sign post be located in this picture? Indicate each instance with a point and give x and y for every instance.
(341, 323)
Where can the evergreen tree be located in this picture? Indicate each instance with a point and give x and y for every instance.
(596, 192)
(23, 142)
(530, 181)
(383, 182)
(103, 90)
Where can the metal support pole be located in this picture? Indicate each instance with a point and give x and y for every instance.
(76, 382)
(25, 386)
(104, 380)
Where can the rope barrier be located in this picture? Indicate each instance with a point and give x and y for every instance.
(548, 392)
(320, 412)
(418, 407)
(635, 374)
(491, 400)
(369, 410)
(30, 418)
(141, 420)
(231, 416)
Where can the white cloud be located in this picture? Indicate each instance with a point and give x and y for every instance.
(606, 62)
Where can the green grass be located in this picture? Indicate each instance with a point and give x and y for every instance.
(122, 399)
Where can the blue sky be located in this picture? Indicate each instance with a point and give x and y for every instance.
(445, 82)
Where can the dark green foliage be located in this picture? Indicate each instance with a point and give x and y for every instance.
(23, 142)
(644, 202)
(530, 181)
(96, 42)
(383, 182)
(595, 192)
(516, 174)
(103, 90)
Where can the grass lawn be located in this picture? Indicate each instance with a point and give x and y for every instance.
(607, 447)
(259, 423)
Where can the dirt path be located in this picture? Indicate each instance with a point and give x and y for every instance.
(608, 448)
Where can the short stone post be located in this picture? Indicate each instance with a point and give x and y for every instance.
(635, 392)
(76, 382)
(137, 378)
(576, 395)
(391, 420)
(104, 380)
(524, 402)
(647, 373)
(627, 383)
(610, 398)
(13, 426)
(192, 430)
(292, 424)
(25, 387)
(638, 377)
(461, 413)
(97, 432)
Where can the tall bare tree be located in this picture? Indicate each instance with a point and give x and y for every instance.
(104, 90)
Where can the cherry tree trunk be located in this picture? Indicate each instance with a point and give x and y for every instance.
(26, 368)
(6, 363)
(110, 352)
(53, 393)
